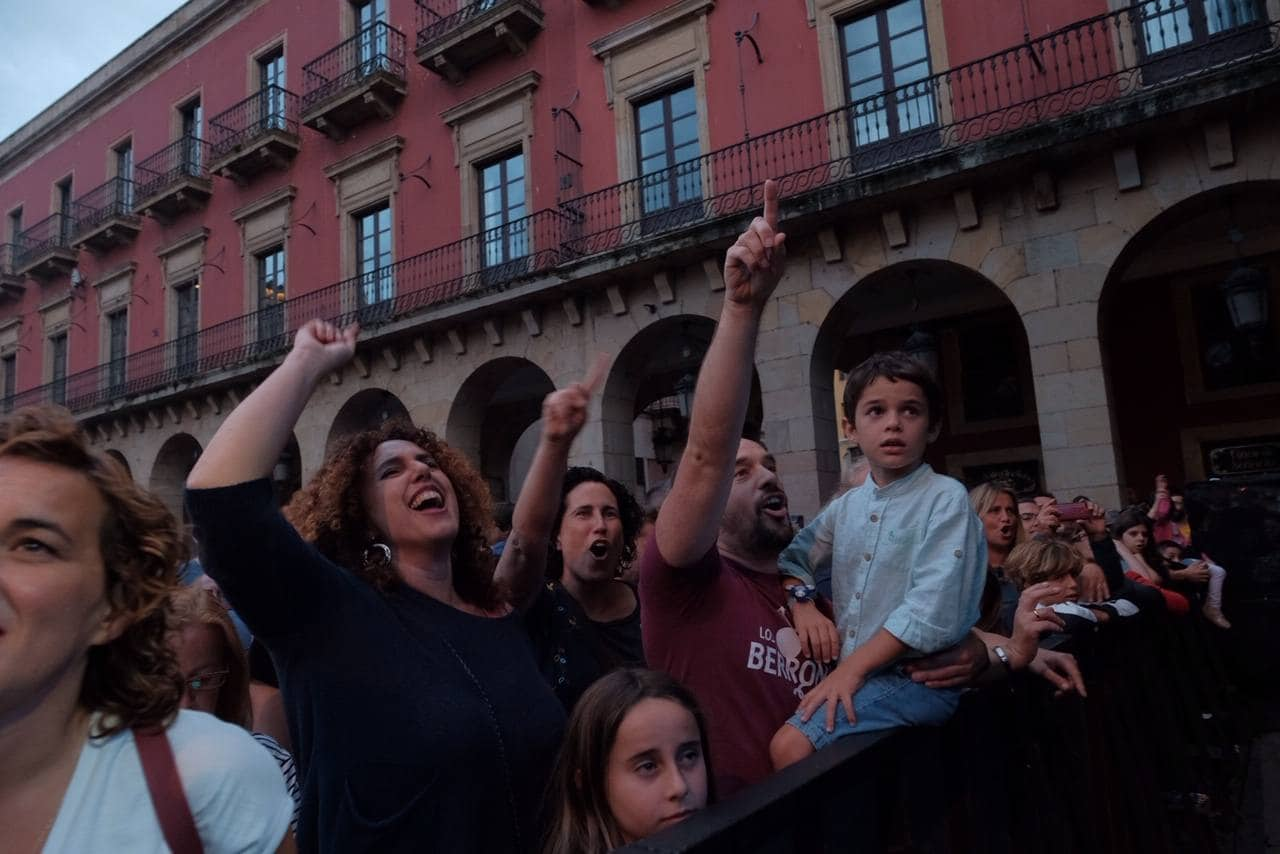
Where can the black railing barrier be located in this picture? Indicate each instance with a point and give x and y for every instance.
(270, 109)
(438, 18)
(1088, 64)
(52, 232)
(1150, 762)
(111, 199)
(378, 48)
(8, 252)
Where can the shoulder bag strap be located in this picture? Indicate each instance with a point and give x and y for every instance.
(167, 795)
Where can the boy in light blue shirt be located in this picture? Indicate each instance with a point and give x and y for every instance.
(908, 560)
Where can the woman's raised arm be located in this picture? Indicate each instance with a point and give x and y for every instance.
(249, 442)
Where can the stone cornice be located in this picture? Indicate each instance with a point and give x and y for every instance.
(647, 26)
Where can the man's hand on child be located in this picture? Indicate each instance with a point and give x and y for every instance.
(955, 667)
(1060, 670)
(838, 688)
(818, 635)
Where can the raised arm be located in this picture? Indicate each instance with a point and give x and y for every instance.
(689, 521)
(524, 558)
(249, 442)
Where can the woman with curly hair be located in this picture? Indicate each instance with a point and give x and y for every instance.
(89, 692)
(418, 717)
(586, 620)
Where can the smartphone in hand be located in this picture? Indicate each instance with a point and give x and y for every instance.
(1073, 512)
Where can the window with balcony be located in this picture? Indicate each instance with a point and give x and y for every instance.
(9, 370)
(886, 72)
(373, 257)
(271, 297)
(15, 224)
(187, 305)
(372, 39)
(58, 361)
(64, 198)
(271, 83)
(1186, 35)
(668, 150)
(117, 350)
(504, 232)
(192, 115)
(124, 174)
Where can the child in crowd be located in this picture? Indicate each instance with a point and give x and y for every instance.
(907, 556)
(1198, 571)
(1131, 532)
(1044, 558)
(634, 761)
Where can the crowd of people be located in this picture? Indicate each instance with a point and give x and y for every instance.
(372, 668)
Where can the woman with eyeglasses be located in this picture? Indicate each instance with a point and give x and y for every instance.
(418, 716)
(95, 752)
(215, 668)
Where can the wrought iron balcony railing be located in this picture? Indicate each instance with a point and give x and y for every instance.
(379, 48)
(272, 109)
(1104, 61)
(7, 253)
(183, 158)
(49, 234)
(110, 200)
(438, 18)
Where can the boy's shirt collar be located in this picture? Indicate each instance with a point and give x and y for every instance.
(879, 493)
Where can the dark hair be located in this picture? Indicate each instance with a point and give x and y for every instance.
(132, 680)
(330, 513)
(1026, 497)
(582, 820)
(1164, 544)
(628, 511)
(1133, 517)
(897, 366)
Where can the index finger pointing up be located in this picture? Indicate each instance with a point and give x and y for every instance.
(595, 375)
(771, 203)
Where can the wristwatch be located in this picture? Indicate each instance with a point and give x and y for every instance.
(802, 593)
(1003, 655)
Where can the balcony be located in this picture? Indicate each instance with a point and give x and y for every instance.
(104, 217)
(257, 134)
(174, 180)
(11, 284)
(45, 250)
(360, 79)
(456, 35)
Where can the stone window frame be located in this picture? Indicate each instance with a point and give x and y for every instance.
(652, 40)
(512, 101)
(347, 21)
(115, 292)
(111, 154)
(55, 193)
(181, 263)
(280, 42)
(176, 109)
(15, 216)
(55, 319)
(358, 186)
(10, 344)
(263, 223)
(825, 16)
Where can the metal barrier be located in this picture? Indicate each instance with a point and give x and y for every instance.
(187, 157)
(272, 109)
(111, 199)
(1146, 764)
(438, 18)
(378, 48)
(52, 232)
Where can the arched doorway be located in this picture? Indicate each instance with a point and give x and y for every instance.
(174, 461)
(119, 458)
(647, 399)
(967, 329)
(364, 410)
(1195, 388)
(495, 420)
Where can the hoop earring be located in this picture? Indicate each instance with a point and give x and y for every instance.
(377, 556)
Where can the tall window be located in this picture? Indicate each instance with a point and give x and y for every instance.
(64, 208)
(271, 297)
(667, 146)
(15, 224)
(373, 39)
(1167, 24)
(117, 344)
(192, 133)
(124, 172)
(271, 84)
(58, 358)
(504, 233)
(187, 305)
(373, 255)
(886, 68)
(9, 369)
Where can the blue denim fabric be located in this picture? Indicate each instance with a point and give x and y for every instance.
(884, 701)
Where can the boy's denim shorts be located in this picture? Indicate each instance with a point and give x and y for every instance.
(885, 701)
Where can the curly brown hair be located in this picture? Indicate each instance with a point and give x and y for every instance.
(132, 680)
(329, 512)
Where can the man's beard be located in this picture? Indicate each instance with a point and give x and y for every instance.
(768, 536)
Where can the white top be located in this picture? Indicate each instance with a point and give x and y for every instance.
(233, 786)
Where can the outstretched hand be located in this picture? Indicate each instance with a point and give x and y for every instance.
(325, 347)
(564, 411)
(754, 264)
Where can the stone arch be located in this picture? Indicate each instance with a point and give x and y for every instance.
(492, 415)
(647, 371)
(119, 458)
(174, 462)
(364, 410)
(983, 360)
(1169, 348)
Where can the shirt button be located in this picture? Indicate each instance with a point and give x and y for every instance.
(875, 517)
(852, 633)
(858, 595)
(867, 556)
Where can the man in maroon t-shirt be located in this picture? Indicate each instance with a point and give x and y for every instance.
(713, 607)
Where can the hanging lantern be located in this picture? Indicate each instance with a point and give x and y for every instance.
(1245, 292)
